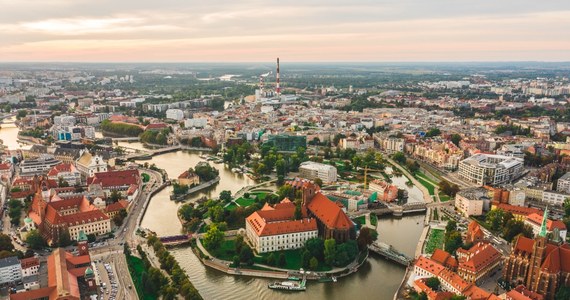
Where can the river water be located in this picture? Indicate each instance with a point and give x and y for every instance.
(9, 135)
(377, 278)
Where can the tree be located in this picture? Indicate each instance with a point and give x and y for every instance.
(246, 255)
(91, 238)
(433, 283)
(35, 240)
(366, 237)
(239, 243)
(451, 226)
(455, 139)
(563, 293)
(514, 228)
(64, 239)
(271, 259)
(226, 196)
(453, 242)
(115, 196)
(236, 262)
(433, 132)
(330, 251)
(216, 213)
(316, 247)
(399, 157)
(282, 262)
(313, 263)
(318, 182)
(213, 237)
(306, 258)
(186, 212)
(6, 243)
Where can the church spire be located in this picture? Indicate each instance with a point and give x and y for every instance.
(543, 229)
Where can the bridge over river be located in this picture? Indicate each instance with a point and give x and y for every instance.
(390, 253)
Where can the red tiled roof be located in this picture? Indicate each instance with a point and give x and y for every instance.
(329, 212)
(63, 167)
(41, 293)
(279, 219)
(117, 206)
(550, 224)
(479, 257)
(518, 210)
(444, 258)
(524, 244)
(88, 216)
(29, 262)
(115, 178)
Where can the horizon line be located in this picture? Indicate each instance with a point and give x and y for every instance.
(300, 62)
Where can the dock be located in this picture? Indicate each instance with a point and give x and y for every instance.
(390, 253)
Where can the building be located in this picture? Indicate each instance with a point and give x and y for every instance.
(287, 143)
(313, 170)
(474, 233)
(68, 277)
(195, 123)
(542, 265)
(188, 178)
(10, 270)
(56, 215)
(519, 212)
(67, 172)
(563, 184)
(30, 266)
(472, 201)
(386, 192)
(488, 169)
(481, 260)
(38, 166)
(332, 221)
(89, 164)
(274, 228)
(391, 144)
(174, 114)
(450, 281)
(534, 220)
(126, 182)
(554, 198)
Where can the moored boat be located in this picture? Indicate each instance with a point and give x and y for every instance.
(288, 286)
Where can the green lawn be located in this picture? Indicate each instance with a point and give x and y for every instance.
(226, 251)
(260, 195)
(443, 197)
(435, 240)
(292, 259)
(427, 185)
(426, 178)
(231, 206)
(136, 268)
(245, 202)
(360, 220)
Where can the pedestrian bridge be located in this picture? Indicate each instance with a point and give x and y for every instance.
(390, 253)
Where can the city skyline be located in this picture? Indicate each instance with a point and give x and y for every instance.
(170, 31)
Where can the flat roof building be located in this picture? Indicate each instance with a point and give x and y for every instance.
(490, 169)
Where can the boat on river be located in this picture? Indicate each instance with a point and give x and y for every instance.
(288, 285)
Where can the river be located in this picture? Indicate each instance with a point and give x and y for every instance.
(9, 135)
(377, 278)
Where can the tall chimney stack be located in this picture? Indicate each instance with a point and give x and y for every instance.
(277, 87)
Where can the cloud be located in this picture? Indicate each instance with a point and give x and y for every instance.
(171, 30)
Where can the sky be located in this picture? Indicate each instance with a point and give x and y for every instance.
(296, 31)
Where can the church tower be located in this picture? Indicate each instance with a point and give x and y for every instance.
(537, 256)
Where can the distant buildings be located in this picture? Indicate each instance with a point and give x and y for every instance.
(472, 201)
(38, 166)
(274, 228)
(563, 184)
(174, 114)
(313, 170)
(67, 172)
(487, 169)
(534, 220)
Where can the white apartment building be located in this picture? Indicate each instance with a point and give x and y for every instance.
(196, 122)
(563, 184)
(554, 197)
(174, 114)
(391, 144)
(10, 270)
(312, 170)
(473, 201)
(97, 224)
(489, 169)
